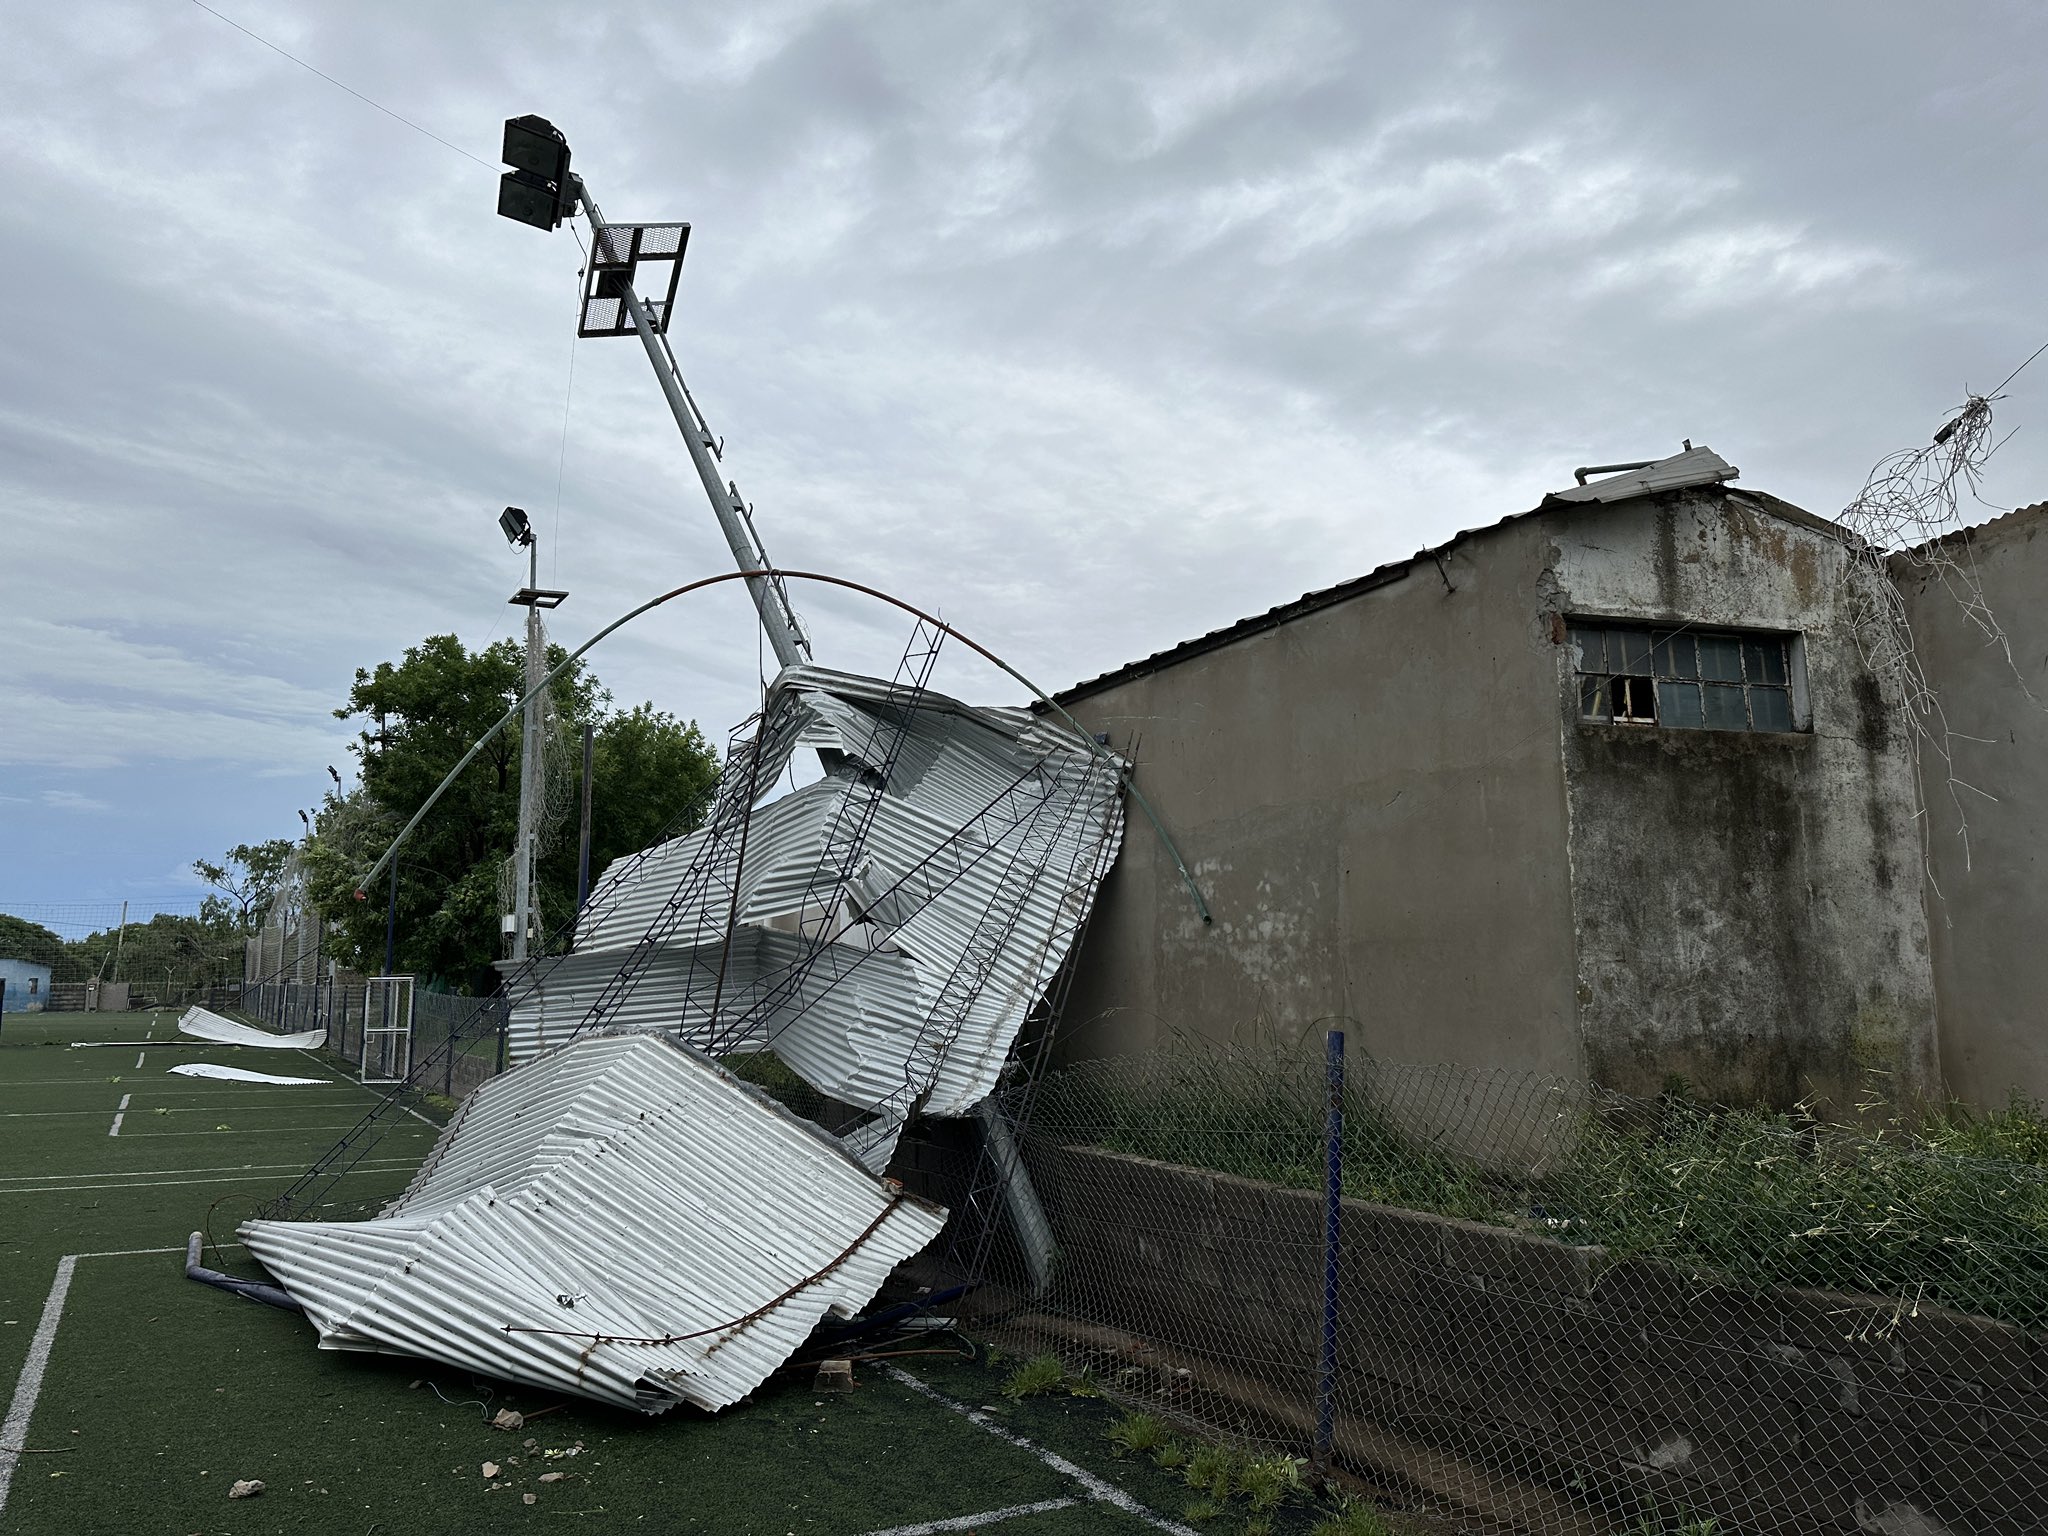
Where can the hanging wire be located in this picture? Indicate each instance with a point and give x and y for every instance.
(338, 85)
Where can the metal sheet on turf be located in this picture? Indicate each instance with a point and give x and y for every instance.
(621, 1219)
(211, 1026)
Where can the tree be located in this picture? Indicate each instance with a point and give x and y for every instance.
(21, 939)
(652, 775)
(246, 880)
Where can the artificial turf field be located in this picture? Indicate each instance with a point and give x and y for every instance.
(157, 1393)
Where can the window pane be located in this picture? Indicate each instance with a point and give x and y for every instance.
(1771, 709)
(1674, 655)
(1679, 704)
(1720, 660)
(1593, 698)
(1591, 657)
(1765, 660)
(1724, 705)
(1628, 650)
(1633, 699)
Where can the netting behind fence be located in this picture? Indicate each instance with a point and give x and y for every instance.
(453, 1044)
(1555, 1308)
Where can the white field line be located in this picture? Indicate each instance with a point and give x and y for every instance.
(150, 1173)
(29, 1385)
(138, 1059)
(1093, 1486)
(101, 1189)
(169, 1109)
(976, 1522)
(254, 1130)
(120, 1109)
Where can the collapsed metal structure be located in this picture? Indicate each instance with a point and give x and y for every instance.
(618, 1216)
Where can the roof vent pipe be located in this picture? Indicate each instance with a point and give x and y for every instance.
(1612, 469)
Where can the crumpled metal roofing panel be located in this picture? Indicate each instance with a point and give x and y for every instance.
(620, 1219)
(203, 1025)
(978, 865)
(1695, 466)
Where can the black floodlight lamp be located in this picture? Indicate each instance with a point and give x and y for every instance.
(537, 189)
(518, 532)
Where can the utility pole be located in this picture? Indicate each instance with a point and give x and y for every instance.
(583, 836)
(533, 597)
(529, 763)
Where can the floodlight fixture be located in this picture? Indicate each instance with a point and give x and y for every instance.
(538, 189)
(518, 532)
(538, 597)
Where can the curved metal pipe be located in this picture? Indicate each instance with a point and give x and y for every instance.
(1187, 879)
(254, 1290)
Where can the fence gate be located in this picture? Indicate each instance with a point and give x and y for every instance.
(387, 1029)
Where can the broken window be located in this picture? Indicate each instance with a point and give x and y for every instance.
(1683, 678)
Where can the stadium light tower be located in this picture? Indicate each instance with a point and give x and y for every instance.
(533, 597)
(540, 190)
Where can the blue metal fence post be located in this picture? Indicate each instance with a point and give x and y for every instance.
(1333, 1231)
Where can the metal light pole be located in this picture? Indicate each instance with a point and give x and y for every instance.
(529, 740)
(533, 597)
(583, 835)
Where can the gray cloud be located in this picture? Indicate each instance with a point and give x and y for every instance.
(1095, 326)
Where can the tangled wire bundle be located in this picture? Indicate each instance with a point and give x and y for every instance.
(1901, 525)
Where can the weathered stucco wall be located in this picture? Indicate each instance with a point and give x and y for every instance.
(1371, 797)
(1990, 961)
(1747, 906)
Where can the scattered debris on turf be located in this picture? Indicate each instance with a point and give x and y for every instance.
(246, 1488)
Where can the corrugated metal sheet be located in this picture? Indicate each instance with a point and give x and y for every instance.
(1695, 466)
(977, 866)
(620, 1219)
(202, 1025)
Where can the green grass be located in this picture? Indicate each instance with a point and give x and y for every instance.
(1034, 1378)
(1138, 1433)
(160, 1392)
(1949, 1208)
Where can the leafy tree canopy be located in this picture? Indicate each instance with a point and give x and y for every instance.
(169, 955)
(652, 776)
(244, 881)
(21, 939)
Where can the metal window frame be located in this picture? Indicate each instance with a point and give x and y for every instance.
(1792, 645)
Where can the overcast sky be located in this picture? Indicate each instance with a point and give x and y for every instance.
(1093, 325)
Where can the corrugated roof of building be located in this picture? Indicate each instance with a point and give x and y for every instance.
(1682, 471)
(2004, 523)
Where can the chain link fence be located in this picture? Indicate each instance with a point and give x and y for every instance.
(1549, 1307)
(455, 1042)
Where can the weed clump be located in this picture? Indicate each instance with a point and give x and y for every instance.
(1035, 1378)
(1138, 1434)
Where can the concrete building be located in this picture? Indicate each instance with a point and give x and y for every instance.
(1988, 833)
(1604, 790)
(28, 986)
